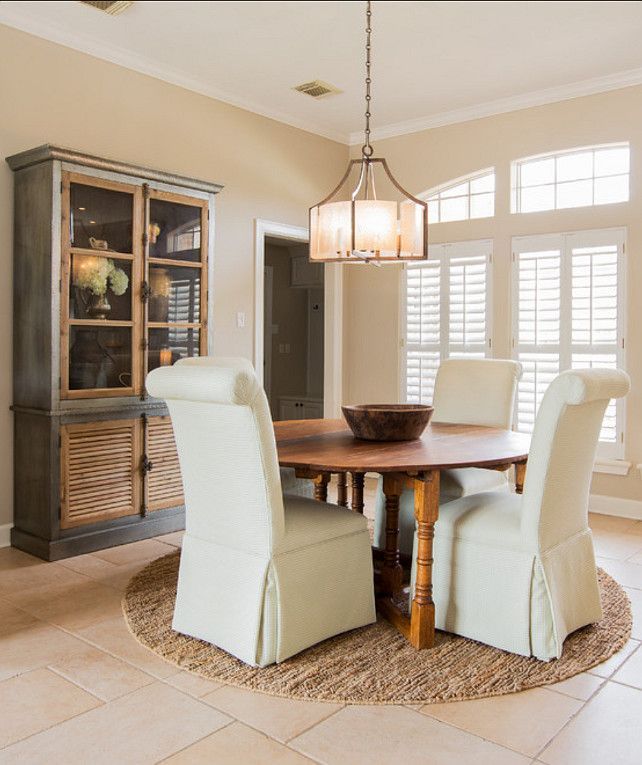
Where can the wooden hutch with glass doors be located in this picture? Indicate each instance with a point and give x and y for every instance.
(111, 280)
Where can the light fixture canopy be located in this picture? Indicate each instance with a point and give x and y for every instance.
(353, 223)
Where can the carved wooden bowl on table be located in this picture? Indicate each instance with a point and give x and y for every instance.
(387, 422)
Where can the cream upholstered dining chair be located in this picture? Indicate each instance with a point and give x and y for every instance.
(471, 392)
(518, 571)
(261, 576)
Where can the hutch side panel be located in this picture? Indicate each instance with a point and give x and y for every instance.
(35, 230)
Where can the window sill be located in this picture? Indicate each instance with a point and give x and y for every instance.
(612, 467)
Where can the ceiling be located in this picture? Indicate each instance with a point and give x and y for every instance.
(434, 63)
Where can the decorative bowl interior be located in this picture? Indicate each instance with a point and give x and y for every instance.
(387, 422)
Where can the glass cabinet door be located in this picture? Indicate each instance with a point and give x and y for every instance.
(101, 276)
(177, 233)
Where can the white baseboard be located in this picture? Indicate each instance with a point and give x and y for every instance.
(5, 534)
(624, 508)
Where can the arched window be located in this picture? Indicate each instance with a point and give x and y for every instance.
(471, 196)
(591, 175)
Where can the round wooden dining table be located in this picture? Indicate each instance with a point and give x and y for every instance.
(317, 449)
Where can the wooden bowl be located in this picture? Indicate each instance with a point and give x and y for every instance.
(387, 422)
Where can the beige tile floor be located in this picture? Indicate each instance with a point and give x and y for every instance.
(75, 687)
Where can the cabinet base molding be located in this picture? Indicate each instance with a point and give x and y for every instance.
(100, 539)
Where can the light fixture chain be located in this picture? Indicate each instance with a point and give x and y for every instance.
(367, 149)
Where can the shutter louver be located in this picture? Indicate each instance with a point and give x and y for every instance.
(538, 329)
(422, 330)
(165, 483)
(446, 313)
(567, 311)
(467, 322)
(595, 317)
(100, 471)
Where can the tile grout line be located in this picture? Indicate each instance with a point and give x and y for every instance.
(314, 725)
(573, 716)
(198, 740)
(482, 738)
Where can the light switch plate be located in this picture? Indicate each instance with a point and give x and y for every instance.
(240, 319)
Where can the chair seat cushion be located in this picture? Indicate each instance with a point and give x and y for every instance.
(308, 521)
(492, 518)
(463, 481)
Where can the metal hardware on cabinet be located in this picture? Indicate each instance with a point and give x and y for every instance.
(145, 291)
(145, 190)
(146, 465)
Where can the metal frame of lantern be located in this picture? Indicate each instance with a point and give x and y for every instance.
(412, 225)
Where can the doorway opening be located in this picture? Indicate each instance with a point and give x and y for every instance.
(293, 330)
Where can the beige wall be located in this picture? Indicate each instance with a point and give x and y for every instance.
(423, 160)
(51, 94)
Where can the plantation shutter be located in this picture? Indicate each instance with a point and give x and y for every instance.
(537, 314)
(567, 313)
(446, 312)
(596, 295)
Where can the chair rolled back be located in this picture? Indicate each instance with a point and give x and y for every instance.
(562, 453)
(476, 391)
(226, 450)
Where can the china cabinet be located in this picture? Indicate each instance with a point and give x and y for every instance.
(111, 279)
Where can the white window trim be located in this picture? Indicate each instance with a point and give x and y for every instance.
(444, 252)
(610, 457)
(515, 170)
(426, 196)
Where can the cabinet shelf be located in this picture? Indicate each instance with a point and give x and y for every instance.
(101, 253)
(99, 323)
(173, 262)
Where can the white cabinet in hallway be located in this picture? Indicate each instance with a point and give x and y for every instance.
(292, 408)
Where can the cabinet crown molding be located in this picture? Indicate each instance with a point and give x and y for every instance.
(48, 152)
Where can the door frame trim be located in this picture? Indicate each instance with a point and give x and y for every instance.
(333, 307)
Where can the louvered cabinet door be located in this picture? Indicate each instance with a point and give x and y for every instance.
(164, 485)
(100, 466)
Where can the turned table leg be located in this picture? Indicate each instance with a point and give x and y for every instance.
(342, 489)
(357, 492)
(520, 476)
(392, 571)
(321, 487)
(422, 614)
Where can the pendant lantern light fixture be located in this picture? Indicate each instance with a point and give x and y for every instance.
(354, 223)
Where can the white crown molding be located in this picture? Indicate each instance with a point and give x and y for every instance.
(25, 21)
(503, 105)
(72, 39)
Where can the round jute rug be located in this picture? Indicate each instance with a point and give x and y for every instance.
(374, 664)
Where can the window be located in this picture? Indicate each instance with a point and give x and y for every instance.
(472, 196)
(446, 312)
(568, 313)
(593, 175)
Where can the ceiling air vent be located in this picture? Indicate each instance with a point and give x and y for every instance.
(317, 89)
(112, 7)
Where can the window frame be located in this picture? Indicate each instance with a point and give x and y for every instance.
(516, 168)
(437, 191)
(565, 242)
(444, 253)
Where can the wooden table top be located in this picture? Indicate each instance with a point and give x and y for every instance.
(329, 446)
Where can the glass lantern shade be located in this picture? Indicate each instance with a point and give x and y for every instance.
(362, 228)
